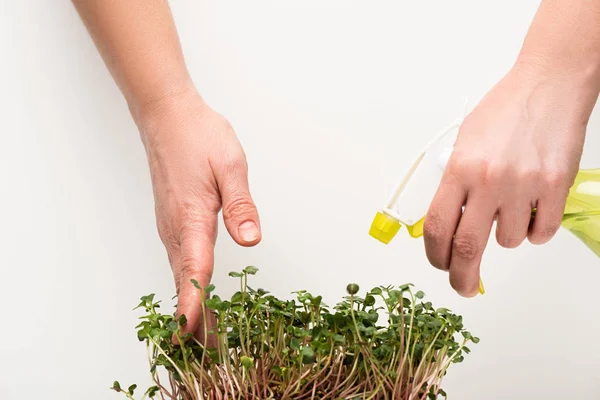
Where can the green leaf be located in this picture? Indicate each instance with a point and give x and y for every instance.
(236, 274)
(237, 297)
(173, 326)
(250, 270)
(376, 291)
(145, 301)
(116, 386)
(160, 333)
(152, 391)
(196, 284)
(420, 295)
(213, 303)
(308, 355)
(247, 362)
(295, 344)
(339, 339)
(370, 331)
(182, 320)
(132, 389)
(143, 333)
(209, 288)
(316, 301)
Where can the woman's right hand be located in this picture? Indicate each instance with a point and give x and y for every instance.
(197, 166)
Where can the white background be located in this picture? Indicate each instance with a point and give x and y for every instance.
(331, 99)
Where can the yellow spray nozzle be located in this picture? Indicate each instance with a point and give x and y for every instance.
(384, 227)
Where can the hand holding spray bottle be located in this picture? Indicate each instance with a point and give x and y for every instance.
(410, 200)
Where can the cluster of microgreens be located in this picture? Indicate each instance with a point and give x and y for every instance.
(267, 348)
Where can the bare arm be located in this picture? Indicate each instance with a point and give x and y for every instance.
(140, 46)
(196, 161)
(564, 37)
(520, 147)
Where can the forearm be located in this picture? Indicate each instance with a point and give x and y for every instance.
(563, 43)
(140, 46)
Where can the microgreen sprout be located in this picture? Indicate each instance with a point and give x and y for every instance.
(300, 349)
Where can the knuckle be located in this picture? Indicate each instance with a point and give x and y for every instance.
(527, 174)
(195, 262)
(238, 207)
(236, 164)
(472, 170)
(466, 246)
(187, 211)
(188, 266)
(233, 173)
(498, 173)
(556, 179)
(461, 164)
(433, 229)
(196, 228)
(436, 242)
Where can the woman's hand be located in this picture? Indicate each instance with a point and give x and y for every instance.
(196, 161)
(197, 166)
(519, 149)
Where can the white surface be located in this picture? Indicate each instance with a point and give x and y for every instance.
(312, 88)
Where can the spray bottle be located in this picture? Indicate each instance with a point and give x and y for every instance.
(410, 200)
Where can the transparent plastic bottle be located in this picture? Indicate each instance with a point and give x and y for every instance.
(582, 212)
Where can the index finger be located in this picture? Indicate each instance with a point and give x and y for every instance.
(195, 267)
(441, 221)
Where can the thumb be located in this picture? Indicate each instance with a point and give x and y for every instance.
(239, 211)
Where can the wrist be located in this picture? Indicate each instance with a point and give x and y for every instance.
(149, 113)
(167, 97)
(574, 86)
(579, 72)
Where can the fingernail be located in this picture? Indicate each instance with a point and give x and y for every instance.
(248, 231)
